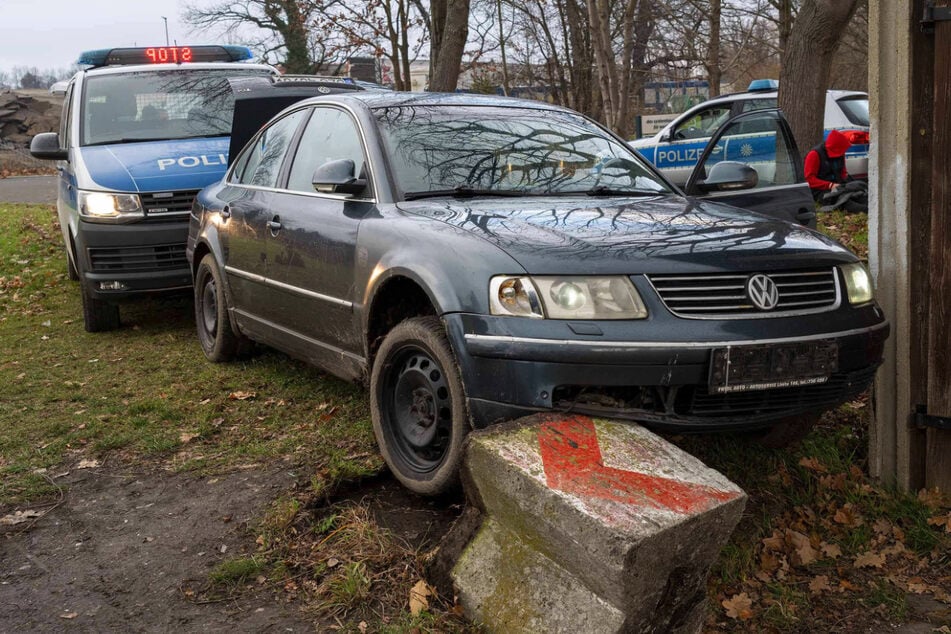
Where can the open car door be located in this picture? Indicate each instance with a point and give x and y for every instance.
(752, 162)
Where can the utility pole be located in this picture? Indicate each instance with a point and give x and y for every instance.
(166, 29)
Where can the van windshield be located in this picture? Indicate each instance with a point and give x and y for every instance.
(159, 105)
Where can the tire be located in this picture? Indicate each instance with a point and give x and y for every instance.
(98, 315)
(788, 431)
(218, 339)
(418, 407)
(71, 271)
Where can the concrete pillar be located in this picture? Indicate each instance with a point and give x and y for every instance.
(895, 451)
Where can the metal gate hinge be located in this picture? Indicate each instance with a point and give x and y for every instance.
(923, 419)
(932, 14)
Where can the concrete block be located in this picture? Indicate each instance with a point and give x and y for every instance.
(602, 512)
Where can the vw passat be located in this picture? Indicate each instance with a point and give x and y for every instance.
(474, 259)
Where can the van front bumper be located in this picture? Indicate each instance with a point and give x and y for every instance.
(126, 261)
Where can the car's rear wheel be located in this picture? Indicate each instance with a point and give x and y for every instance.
(218, 339)
(418, 406)
(788, 431)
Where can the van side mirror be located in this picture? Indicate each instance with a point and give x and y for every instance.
(337, 177)
(46, 146)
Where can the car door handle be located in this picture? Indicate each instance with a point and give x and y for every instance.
(274, 225)
(225, 212)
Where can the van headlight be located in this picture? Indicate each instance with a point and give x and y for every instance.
(858, 284)
(565, 297)
(105, 207)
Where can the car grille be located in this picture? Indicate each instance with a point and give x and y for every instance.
(167, 206)
(132, 259)
(723, 295)
(840, 387)
(696, 406)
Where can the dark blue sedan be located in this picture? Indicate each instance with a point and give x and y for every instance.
(473, 259)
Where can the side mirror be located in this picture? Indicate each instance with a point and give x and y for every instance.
(337, 177)
(729, 175)
(46, 146)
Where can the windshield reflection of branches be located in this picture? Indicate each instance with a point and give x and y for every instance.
(164, 104)
(510, 149)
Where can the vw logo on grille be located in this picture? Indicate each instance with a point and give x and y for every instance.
(762, 292)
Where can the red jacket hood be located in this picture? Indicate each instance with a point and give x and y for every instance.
(836, 144)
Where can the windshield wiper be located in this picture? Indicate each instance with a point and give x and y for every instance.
(128, 140)
(463, 191)
(604, 190)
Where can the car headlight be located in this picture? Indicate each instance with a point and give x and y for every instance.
(104, 207)
(857, 283)
(568, 297)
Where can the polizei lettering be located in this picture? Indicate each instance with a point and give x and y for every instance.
(679, 155)
(205, 160)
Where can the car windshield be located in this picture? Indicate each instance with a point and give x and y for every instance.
(856, 109)
(482, 150)
(159, 105)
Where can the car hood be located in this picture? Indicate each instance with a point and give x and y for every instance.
(660, 234)
(156, 165)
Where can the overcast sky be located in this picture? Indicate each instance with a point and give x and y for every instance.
(51, 33)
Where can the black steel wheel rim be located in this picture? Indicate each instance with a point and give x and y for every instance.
(209, 308)
(417, 409)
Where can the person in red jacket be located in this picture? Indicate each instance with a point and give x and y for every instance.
(828, 179)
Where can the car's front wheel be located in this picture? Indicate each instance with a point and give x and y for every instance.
(418, 406)
(218, 339)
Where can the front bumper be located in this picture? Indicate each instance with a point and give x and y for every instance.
(652, 371)
(134, 259)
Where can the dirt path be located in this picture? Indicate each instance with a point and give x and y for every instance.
(112, 556)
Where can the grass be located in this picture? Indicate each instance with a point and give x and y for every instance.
(145, 394)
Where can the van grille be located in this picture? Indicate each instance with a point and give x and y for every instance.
(723, 295)
(135, 259)
(168, 206)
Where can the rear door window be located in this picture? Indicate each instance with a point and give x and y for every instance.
(267, 153)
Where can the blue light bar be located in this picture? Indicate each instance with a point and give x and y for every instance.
(761, 85)
(164, 55)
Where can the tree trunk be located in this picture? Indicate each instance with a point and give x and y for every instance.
(714, 72)
(807, 63)
(452, 43)
(505, 65)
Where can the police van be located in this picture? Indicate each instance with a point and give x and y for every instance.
(676, 149)
(142, 131)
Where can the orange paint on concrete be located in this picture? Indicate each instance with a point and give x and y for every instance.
(572, 460)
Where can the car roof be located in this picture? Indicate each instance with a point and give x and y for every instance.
(138, 68)
(389, 99)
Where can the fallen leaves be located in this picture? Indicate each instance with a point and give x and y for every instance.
(941, 520)
(88, 464)
(418, 597)
(869, 560)
(738, 606)
(19, 517)
(241, 395)
(819, 584)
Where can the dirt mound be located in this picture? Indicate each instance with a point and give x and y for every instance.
(22, 116)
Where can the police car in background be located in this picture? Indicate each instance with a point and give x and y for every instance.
(676, 149)
(142, 131)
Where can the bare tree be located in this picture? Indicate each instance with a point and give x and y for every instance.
(807, 62)
(285, 25)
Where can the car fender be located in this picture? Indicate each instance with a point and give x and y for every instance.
(438, 257)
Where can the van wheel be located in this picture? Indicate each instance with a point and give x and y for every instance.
(788, 431)
(99, 315)
(71, 271)
(418, 406)
(218, 339)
